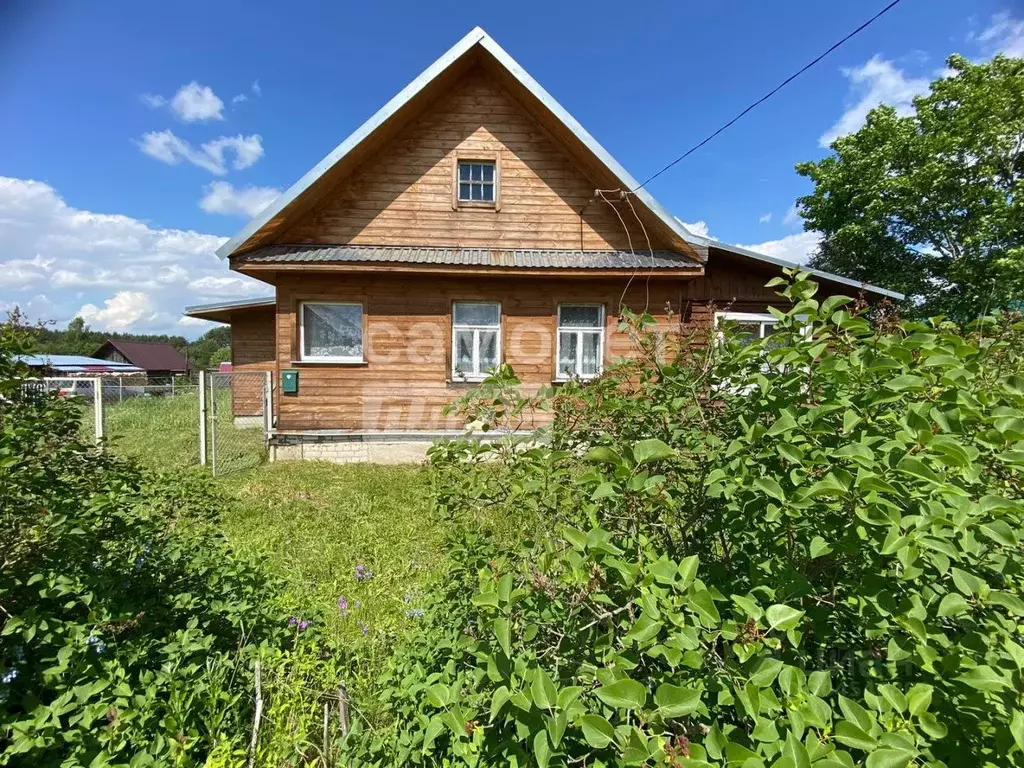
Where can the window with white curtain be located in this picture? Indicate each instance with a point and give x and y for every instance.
(580, 351)
(331, 332)
(476, 339)
(757, 324)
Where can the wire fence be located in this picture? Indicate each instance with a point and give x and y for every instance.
(217, 419)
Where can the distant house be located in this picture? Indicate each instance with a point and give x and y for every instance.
(78, 366)
(159, 361)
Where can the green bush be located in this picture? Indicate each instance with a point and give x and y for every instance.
(129, 628)
(801, 550)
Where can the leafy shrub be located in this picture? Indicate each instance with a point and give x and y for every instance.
(801, 550)
(128, 626)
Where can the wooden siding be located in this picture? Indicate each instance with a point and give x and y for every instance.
(252, 349)
(403, 194)
(405, 382)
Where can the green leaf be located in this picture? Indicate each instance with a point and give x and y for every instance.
(855, 713)
(603, 454)
(919, 697)
(890, 758)
(766, 672)
(597, 731)
(486, 599)
(688, 570)
(1000, 532)
(556, 728)
(905, 382)
(502, 632)
(498, 700)
(967, 583)
(543, 689)
(439, 695)
(771, 487)
(984, 678)
(783, 617)
(953, 604)
(704, 604)
(1010, 602)
(624, 694)
(676, 700)
(1017, 728)
(577, 538)
(647, 451)
(819, 547)
(643, 630)
(541, 749)
(785, 423)
(854, 736)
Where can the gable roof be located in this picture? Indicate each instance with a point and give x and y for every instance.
(150, 356)
(221, 311)
(374, 131)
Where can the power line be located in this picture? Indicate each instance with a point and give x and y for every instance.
(774, 90)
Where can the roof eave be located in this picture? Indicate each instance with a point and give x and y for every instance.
(709, 243)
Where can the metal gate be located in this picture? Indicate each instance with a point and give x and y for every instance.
(234, 419)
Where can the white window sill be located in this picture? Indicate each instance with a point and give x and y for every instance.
(567, 379)
(330, 362)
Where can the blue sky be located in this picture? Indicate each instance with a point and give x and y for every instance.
(135, 136)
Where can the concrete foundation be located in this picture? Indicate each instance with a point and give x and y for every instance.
(349, 447)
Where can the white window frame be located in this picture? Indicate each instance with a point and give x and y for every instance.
(745, 318)
(559, 330)
(476, 374)
(493, 183)
(304, 358)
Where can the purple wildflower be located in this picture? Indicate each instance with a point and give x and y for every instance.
(363, 573)
(415, 613)
(363, 628)
(292, 621)
(343, 606)
(304, 625)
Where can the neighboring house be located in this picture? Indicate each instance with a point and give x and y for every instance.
(77, 366)
(160, 361)
(468, 223)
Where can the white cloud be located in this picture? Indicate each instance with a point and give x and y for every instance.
(119, 272)
(1004, 35)
(764, 218)
(875, 82)
(120, 312)
(256, 91)
(223, 197)
(153, 101)
(699, 228)
(197, 103)
(798, 248)
(168, 148)
(792, 217)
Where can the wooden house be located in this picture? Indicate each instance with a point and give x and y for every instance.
(471, 221)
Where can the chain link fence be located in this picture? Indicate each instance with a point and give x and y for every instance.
(219, 419)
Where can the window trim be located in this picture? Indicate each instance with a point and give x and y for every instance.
(745, 318)
(601, 330)
(343, 360)
(477, 375)
(476, 157)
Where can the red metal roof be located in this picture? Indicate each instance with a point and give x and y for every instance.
(150, 356)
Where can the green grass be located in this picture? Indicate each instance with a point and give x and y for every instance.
(314, 522)
(310, 522)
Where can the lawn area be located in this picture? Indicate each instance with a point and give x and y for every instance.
(315, 522)
(312, 523)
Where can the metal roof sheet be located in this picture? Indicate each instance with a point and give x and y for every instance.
(76, 363)
(149, 355)
(532, 258)
(263, 301)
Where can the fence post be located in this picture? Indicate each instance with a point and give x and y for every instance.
(97, 407)
(268, 405)
(202, 418)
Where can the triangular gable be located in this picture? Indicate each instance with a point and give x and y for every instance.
(476, 47)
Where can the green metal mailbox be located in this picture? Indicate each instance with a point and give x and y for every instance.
(290, 382)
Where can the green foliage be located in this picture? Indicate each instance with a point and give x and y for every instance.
(220, 355)
(802, 550)
(128, 625)
(931, 204)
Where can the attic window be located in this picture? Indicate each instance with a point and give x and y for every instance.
(477, 182)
